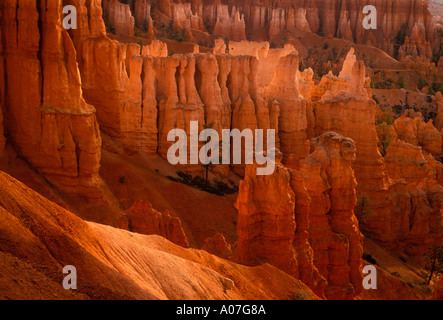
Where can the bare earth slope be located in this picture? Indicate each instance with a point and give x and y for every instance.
(38, 238)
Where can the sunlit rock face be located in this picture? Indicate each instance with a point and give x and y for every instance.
(143, 218)
(49, 121)
(303, 221)
(265, 20)
(62, 91)
(293, 123)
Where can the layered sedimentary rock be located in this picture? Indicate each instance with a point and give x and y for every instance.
(293, 119)
(412, 220)
(353, 115)
(141, 97)
(416, 44)
(439, 119)
(225, 22)
(2, 137)
(2, 94)
(219, 46)
(184, 18)
(119, 16)
(301, 221)
(268, 58)
(217, 245)
(264, 20)
(49, 122)
(416, 132)
(406, 161)
(350, 82)
(415, 221)
(334, 230)
(143, 218)
(179, 102)
(267, 224)
(156, 48)
(142, 14)
(118, 81)
(216, 111)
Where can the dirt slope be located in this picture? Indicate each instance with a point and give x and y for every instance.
(38, 238)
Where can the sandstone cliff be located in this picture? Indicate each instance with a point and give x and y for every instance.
(300, 224)
(218, 246)
(49, 122)
(267, 225)
(293, 121)
(334, 229)
(415, 131)
(265, 20)
(119, 16)
(142, 218)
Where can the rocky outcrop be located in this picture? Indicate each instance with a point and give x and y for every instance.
(225, 22)
(265, 20)
(2, 137)
(2, 93)
(350, 113)
(140, 97)
(119, 16)
(301, 221)
(217, 245)
(49, 122)
(334, 233)
(142, 14)
(439, 119)
(156, 48)
(118, 83)
(293, 120)
(115, 263)
(143, 218)
(268, 58)
(415, 221)
(219, 46)
(415, 131)
(267, 224)
(216, 111)
(184, 18)
(405, 161)
(416, 44)
(353, 116)
(178, 99)
(437, 291)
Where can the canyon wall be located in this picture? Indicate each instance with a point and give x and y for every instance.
(387, 207)
(48, 121)
(140, 94)
(303, 221)
(265, 20)
(57, 87)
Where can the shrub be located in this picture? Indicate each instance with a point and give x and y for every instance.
(219, 188)
(401, 82)
(385, 137)
(434, 260)
(421, 83)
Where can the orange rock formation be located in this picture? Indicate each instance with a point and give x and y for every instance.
(144, 219)
(303, 221)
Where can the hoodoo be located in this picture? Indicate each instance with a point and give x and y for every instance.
(221, 150)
